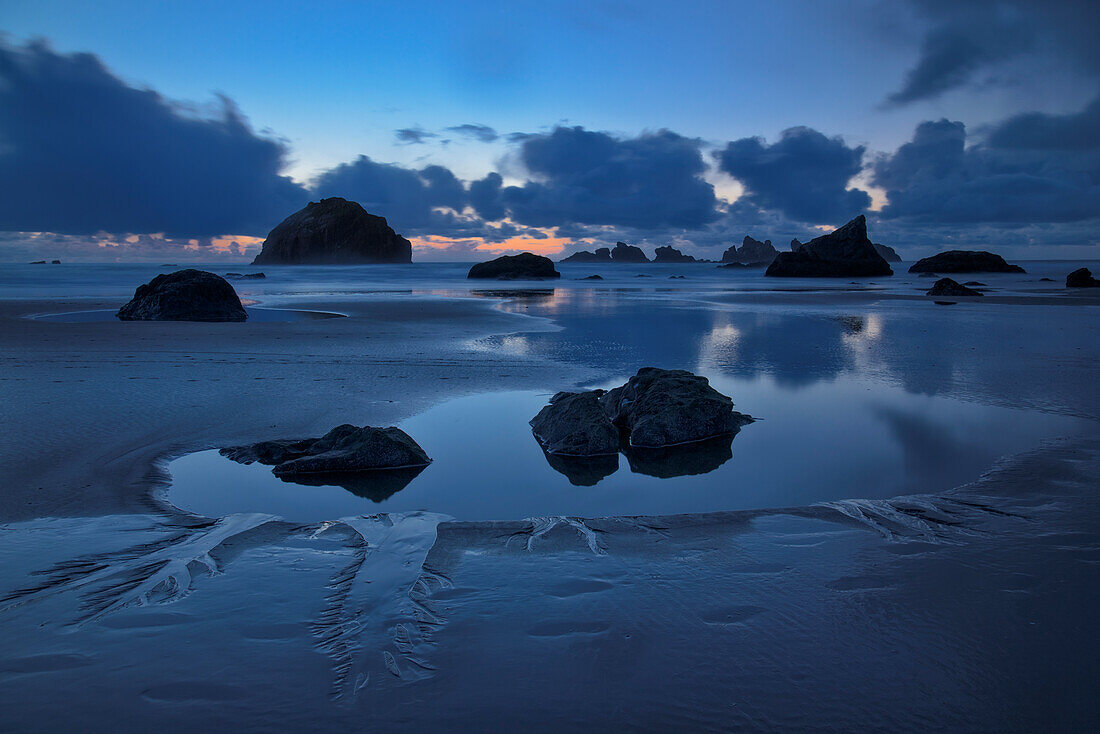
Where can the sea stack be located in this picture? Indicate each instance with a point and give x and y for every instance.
(624, 253)
(524, 266)
(333, 231)
(751, 251)
(844, 253)
(601, 255)
(669, 254)
(964, 261)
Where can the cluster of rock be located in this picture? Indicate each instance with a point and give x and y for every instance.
(669, 254)
(601, 255)
(623, 253)
(43, 262)
(185, 295)
(1082, 278)
(844, 253)
(525, 266)
(964, 261)
(245, 276)
(333, 231)
(751, 252)
(948, 287)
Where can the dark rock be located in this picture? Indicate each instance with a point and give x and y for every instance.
(795, 244)
(973, 282)
(1082, 278)
(55, 262)
(888, 253)
(583, 471)
(843, 253)
(333, 231)
(343, 450)
(676, 277)
(948, 287)
(524, 266)
(669, 254)
(245, 276)
(601, 255)
(751, 251)
(624, 253)
(38, 262)
(688, 459)
(575, 424)
(945, 303)
(1046, 280)
(642, 275)
(743, 266)
(591, 277)
(660, 407)
(964, 261)
(185, 295)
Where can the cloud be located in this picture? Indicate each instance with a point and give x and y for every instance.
(481, 133)
(84, 152)
(1016, 177)
(1039, 131)
(413, 135)
(652, 181)
(804, 175)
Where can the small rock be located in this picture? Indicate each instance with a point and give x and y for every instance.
(948, 287)
(185, 295)
(1082, 278)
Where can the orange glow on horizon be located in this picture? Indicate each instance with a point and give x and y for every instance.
(544, 246)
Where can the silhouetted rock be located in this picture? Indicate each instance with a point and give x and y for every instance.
(245, 276)
(55, 262)
(669, 254)
(575, 424)
(743, 266)
(185, 295)
(591, 277)
(1046, 280)
(624, 253)
(795, 244)
(333, 231)
(964, 261)
(843, 253)
(659, 407)
(888, 254)
(751, 251)
(687, 459)
(973, 282)
(1082, 278)
(38, 262)
(601, 255)
(948, 287)
(345, 449)
(524, 266)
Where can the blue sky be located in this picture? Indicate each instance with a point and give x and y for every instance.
(332, 81)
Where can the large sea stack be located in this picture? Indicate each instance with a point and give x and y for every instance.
(964, 261)
(601, 255)
(185, 295)
(524, 266)
(624, 253)
(750, 252)
(844, 253)
(333, 231)
(669, 254)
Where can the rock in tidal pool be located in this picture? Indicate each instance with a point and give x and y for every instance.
(344, 450)
(948, 287)
(185, 295)
(524, 266)
(843, 253)
(1082, 278)
(575, 424)
(964, 261)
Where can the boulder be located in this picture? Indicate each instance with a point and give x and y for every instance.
(669, 254)
(888, 253)
(659, 407)
(624, 253)
(185, 295)
(343, 450)
(751, 251)
(964, 261)
(601, 255)
(524, 266)
(575, 424)
(844, 253)
(1082, 278)
(948, 287)
(333, 231)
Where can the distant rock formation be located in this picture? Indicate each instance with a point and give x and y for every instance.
(333, 231)
(601, 255)
(964, 261)
(669, 254)
(795, 244)
(344, 449)
(185, 295)
(525, 266)
(751, 252)
(1082, 278)
(948, 287)
(888, 253)
(624, 253)
(844, 253)
(245, 276)
(591, 277)
(55, 262)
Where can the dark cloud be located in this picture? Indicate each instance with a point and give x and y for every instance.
(1039, 131)
(965, 38)
(413, 135)
(84, 152)
(804, 175)
(485, 197)
(651, 181)
(1011, 179)
(481, 133)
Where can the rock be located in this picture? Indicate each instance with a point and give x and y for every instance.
(843, 253)
(795, 244)
(660, 407)
(948, 287)
(964, 261)
(38, 262)
(676, 277)
(743, 266)
(1082, 278)
(601, 255)
(751, 251)
(185, 295)
(245, 276)
(591, 277)
(973, 282)
(575, 424)
(55, 262)
(669, 254)
(888, 253)
(945, 303)
(1046, 280)
(524, 266)
(345, 449)
(624, 253)
(642, 275)
(333, 231)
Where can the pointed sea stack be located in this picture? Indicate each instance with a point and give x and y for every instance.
(333, 231)
(844, 253)
(750, 252)
(624, 253)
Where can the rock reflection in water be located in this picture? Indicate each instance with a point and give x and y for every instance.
(699, 457)
(376, 486)
(583, 471)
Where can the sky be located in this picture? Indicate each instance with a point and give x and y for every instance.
(135, 131)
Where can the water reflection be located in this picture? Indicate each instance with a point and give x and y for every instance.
(376, 486)
(684, 460)
(583, 471)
